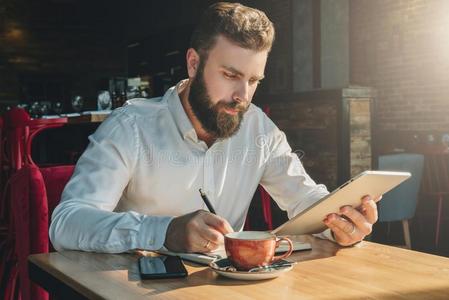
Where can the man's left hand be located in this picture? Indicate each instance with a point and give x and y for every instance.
(351, 225)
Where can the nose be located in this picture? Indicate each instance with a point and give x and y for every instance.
(242, 92)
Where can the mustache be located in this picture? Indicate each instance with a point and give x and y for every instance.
(234, 105)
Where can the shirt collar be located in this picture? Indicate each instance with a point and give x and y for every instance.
(183, 123)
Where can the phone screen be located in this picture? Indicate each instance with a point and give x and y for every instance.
(154, 267)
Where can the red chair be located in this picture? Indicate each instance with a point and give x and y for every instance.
(35, 192)
(20, 130)
(16, 132)
(17, 135)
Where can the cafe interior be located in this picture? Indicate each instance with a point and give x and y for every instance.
(355, 85)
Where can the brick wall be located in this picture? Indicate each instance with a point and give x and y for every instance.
(401, 48)
(330, 130)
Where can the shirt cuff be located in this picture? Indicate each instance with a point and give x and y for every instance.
(152, 232)
(325, 235)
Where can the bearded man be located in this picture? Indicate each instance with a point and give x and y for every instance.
(136, 185)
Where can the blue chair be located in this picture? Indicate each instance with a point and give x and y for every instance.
(400, 203)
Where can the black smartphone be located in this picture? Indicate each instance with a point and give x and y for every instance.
(158, 267)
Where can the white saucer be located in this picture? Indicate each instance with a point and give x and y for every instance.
(243, 275)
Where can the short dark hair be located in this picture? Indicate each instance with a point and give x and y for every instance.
(247, 27)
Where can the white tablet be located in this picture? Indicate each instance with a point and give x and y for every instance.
(374, 183)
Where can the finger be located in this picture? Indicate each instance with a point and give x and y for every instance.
(341, 236)
(346, 232)
(210, 234)
(201, 244)
(361, 208)
(196, 243)
(370, 210)
(218, 223)
(358, 219)
(341, 223)
(208, 247)
(376, 199)
(213, 246)
(205, 229)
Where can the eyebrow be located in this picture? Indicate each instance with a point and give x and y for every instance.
(234, 70)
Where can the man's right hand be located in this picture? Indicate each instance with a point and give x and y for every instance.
(199, 231)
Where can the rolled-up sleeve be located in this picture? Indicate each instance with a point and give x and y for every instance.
(85, 218)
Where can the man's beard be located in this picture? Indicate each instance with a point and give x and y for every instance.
(212, 117)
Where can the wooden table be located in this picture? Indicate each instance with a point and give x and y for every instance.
(365, 271)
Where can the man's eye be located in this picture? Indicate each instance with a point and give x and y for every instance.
(252, 82)
(230, 76)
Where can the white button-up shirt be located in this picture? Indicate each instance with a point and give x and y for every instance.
(145, 164)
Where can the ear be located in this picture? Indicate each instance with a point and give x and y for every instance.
(193, 61)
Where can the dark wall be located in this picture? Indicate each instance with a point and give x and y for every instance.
(52, 49)
(155, 28)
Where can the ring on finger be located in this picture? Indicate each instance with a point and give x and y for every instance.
(207, 244)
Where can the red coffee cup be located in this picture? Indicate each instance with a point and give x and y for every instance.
(251, 249)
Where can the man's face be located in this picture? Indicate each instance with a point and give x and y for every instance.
(224, 85)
